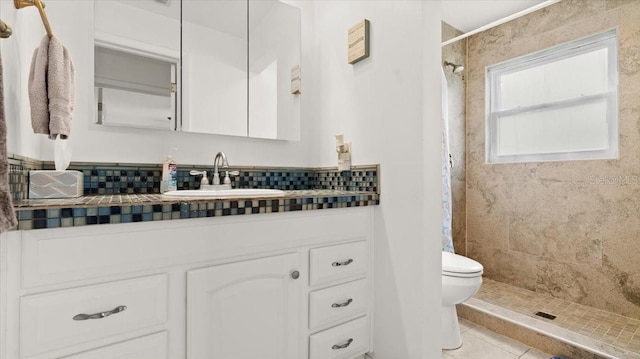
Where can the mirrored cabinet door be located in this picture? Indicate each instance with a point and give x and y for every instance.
(214, 66)
(137, 61)
(274, 59)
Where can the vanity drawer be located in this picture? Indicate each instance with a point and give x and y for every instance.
(50, 321)
(153, 346)
(337, 303)
(341, 342)
(342, 261)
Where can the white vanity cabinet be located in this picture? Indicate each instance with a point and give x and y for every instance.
(247, 309)
(293, 285)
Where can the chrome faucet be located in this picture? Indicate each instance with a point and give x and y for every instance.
(225, 164)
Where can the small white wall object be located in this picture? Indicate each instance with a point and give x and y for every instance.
(344, 153)
(296, 82)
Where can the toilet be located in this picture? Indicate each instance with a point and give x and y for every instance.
(461, 279)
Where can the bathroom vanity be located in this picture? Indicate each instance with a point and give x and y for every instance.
(278, 285)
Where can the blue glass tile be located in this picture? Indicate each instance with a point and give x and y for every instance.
(39, 214)
(126, 218)
(66, 212)
(53, 223)
(103, 211)
(146, 217)
(136, 209)
(184, 210)
(25, 214)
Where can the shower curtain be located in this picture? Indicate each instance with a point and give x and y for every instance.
(447, 238)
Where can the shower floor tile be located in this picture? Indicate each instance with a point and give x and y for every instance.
(610, 328)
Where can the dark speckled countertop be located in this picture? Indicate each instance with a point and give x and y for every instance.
(126, 208)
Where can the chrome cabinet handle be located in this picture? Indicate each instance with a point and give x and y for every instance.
(340, 305)
(342, 346)
(345, 263)
(100, 315)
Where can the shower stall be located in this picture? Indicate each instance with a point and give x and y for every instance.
(556, 237)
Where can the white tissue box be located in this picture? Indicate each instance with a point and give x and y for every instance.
(55, 184)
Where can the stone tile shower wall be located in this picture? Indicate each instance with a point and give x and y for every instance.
(456, 53)
(571, 229)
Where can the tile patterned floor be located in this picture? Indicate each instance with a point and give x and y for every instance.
(481, 343)
(597, 324)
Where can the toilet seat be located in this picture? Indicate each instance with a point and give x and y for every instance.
(454, 265)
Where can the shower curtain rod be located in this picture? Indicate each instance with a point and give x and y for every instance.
(501, 21)
(19, 4)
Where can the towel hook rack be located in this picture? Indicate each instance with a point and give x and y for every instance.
(19, 4)
(5, 30)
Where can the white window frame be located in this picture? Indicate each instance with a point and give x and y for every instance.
(603, 40)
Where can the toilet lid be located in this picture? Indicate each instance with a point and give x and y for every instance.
(453, 264)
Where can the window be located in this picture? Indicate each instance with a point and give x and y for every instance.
(556, 104)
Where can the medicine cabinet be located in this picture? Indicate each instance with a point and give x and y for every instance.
(219, 67)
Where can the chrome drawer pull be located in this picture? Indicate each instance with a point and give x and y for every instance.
(338, 264)
(342, 346)
(340, 305)
(101, 314)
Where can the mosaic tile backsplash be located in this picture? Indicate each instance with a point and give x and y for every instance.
(122, 193)
(145, 179)
(19, 168)
(100, 179)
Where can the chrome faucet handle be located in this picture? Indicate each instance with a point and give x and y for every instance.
(204, 181)
(227, 180)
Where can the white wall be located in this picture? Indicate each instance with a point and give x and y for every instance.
(72, 22)
(16, 61)
(381, 105)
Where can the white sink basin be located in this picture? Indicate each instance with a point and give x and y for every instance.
(227, 193)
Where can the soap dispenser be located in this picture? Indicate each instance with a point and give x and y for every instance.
(169, 173)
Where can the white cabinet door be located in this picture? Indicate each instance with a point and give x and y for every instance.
(243, 310)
